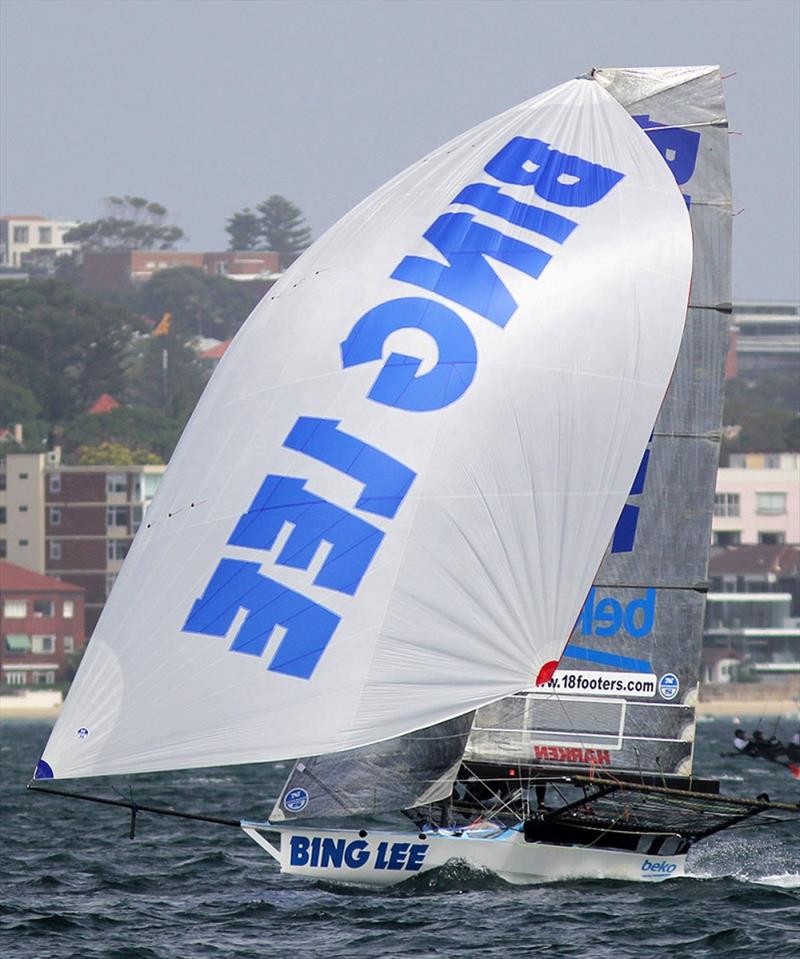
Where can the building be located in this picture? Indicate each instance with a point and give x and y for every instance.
(757, 500)
(753, 611)
(764, 336)
(23, 236)
(41, 627)
(117, 269)
(73, 522)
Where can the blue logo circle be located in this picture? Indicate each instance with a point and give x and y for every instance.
(295, 800)
(668, 686)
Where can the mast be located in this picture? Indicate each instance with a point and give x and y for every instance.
(627, 682)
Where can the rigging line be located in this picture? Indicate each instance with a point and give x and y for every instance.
(696, 587)
(138, 807)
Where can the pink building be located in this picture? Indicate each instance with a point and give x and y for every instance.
(758, 500)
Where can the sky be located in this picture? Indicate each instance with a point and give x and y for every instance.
(208, 107)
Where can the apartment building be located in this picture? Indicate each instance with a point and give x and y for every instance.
(21, 236)
(117, 269)
(75, 523)
(757, 500)
(41, 627)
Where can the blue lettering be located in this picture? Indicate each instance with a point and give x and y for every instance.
(356, 854)
(647, 607)
(239, 585)
(678, 147)
(398, 384)
(386, 480)
(467, 278)
(606, 617)
(380, 856)
(625, 530)
(416, 857)
(283, 499)
(332, 852)
(555, 176)
(298, 851)
(397, 858)
(488, 198)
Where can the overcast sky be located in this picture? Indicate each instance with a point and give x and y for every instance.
(208, 107)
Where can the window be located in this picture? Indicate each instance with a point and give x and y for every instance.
(43, 644)
(773, 504)
(21, 234)
(728, 537)
(69, 644)
(15, 608)
(772, 462)
(726, 504)
(116, 483)
(45, 234)
(23, 508)
(43, 608)
(2, 514)
(55, 482)
(151, 481)
(69, 609)
(221, 268)
(3, 549)
(118, 548)
(772, 537)
(136, 520)
(55, 515)
(23, 542)
(17, 643)
(16, 678)
(116, 516)
(111, 578)
(55, 549)
(23, 475)
(44, 679)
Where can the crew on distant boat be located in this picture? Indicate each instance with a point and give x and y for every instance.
(743, 744)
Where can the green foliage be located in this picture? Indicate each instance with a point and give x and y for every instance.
(62, 346)
(245, 230)
(200, 305)
(765, 406)
(130, 223)
(133, 427)
(114, 454)
(278, 225)
(174, 391)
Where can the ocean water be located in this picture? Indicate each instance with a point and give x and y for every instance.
(73, 886)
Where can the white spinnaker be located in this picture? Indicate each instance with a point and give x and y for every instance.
(482, 572)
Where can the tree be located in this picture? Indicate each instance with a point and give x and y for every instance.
(149, 431)
(245, 230)
(114, 454)
(283, 228)
(63, 346)
(200, 305)
(130, 223)
(173, 390)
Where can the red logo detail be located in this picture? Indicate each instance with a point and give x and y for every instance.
(546, 672)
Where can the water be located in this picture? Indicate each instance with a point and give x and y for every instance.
(74, 887)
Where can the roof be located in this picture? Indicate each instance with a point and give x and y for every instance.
(103, 404)
(17, 579)
(712, 656)
(783, 561)
(23, 216)
(216, 352)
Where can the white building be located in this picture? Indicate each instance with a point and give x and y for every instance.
(20, 235)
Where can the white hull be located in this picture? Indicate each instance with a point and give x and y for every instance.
(385, 858)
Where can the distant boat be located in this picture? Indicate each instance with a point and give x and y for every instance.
(440, 432)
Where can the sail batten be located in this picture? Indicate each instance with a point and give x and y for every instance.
(396, 490)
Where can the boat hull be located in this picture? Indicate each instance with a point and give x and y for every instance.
(385, 858)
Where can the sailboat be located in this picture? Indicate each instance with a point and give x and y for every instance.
(437, 529)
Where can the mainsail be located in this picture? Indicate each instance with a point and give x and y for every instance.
(627, 683)
(391, 500)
